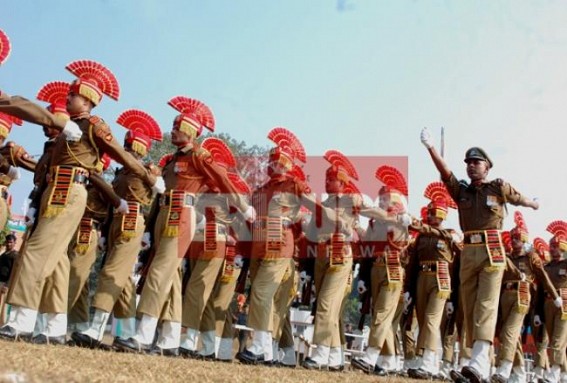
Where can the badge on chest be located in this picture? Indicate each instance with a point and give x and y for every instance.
(491, 200)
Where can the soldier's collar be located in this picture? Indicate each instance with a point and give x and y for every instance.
(185, 149)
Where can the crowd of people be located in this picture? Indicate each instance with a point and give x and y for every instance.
(204, 235)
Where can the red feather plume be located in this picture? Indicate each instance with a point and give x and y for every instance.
(288, 142)
(5, 47)
(541, 246)
(558, 229)
(91, 70)
(196, 108)
(337, 159)
(54, 92)
(351, 188)
(506, 240)
(437, 191)
(392, 178)
(220, 151)
(298, 172)
(519, 221)
(139, 121)
(239, 183)
(12, 119)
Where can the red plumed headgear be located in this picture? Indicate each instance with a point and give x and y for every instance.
(542, 249)
(441, 201)
(194, 116)
(220, 151)
(288, 148)
(521, 230)
(105, 160)
(559, 231)
(142, 129)
(239, 183)
(94, 79)
(6, 122)
(395, 185)
(342, 169)
(55, 93)
(5, 47)
(507, 241)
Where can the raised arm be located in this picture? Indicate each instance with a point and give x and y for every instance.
(439, 162)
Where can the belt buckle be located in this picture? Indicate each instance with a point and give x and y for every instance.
(475, 238)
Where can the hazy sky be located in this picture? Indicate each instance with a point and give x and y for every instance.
(359, 76)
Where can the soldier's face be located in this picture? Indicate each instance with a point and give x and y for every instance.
(517, 243)
(477, 170)
(77, 104)
(179, 138)
(333, 185)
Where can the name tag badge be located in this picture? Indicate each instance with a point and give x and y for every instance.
(491, 200)
(441, 245)
(563, 272)
(522, 266)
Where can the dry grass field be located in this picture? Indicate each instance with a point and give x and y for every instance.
(22, 362)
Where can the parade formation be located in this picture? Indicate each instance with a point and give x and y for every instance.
(205, 234)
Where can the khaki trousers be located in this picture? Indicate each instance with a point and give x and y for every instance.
(512, 322)
(266, 276)
(429, 309)
(283, 299)
(385, 300)
(81, 266)
(122, 254)
(216, 315)
(46, 248)
(557, 332)
(204, 275)
(161, 295)
(330, 285)
(480, 290)
(54, 298)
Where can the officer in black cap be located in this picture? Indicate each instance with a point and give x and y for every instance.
(476, 153)
(481, 207)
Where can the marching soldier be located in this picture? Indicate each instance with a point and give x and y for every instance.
(515, 300)
(541, 360)
(387, 240)
(429, 275)
(555, 308)
(84, 246)
(278, 205)
(333, 265)
(63, 202)
(481, 212)
(212, 246)
(216, 316)
(125, 233)
(186, 173)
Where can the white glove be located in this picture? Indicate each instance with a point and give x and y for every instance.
(123, 207)
(449, 308)
(527, 247)
(426, 138)
(361, 287)
(30, 216)
(238, 261)
(159, 186)
(101, 243)
(146, 241)
(250, 214)
(407, 301)
(404, 219)
(303, 277)
(14, 173)
(359, 306)
(558, 302)
(537, 321)
(72, 131)
(522, 277)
